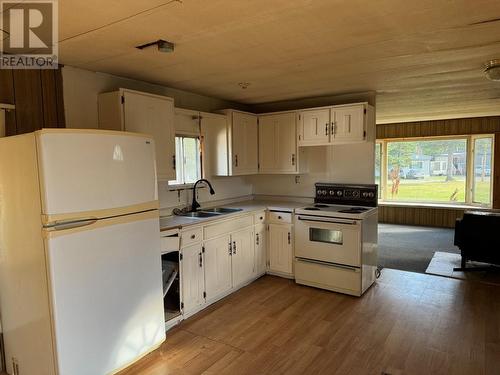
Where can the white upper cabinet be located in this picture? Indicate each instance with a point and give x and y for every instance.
(214, 136)
(133, 111)
(314, 127)
(187, 122)
(244, 143)
(234, 145)
(341, 124)
(278, 143)
(349, 124)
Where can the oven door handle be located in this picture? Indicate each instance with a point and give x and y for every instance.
(333, 221)
(328, 264)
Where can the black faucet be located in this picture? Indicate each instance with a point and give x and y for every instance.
(195, 205)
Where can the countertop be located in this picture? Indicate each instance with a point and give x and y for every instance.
(248, 206)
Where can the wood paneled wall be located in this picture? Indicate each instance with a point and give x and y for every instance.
(425, 216)
(38, 97)
(430, 216)
(463, 126)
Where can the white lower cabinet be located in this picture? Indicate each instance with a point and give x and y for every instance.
(217, 266)
(260, 258)
(193, 278)
(242, 261)
(280, 248)
(224, 256)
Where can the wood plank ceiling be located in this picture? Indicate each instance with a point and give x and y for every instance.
(423, 58)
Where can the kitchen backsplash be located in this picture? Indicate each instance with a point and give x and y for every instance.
(225, 188)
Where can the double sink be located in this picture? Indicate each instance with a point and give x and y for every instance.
(210, 212)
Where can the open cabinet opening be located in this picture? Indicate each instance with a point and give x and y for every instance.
(171, 285)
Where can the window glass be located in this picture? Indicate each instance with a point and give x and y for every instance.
(187, 160)
(191, 160)
(481, 186)
(427, 171)
(378, 167)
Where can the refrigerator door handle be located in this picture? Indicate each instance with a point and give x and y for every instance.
(70, 224)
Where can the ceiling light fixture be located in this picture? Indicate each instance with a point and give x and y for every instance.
(492, 70)
(163, 45)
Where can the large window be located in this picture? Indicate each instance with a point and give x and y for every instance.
(435, 170)
(187, 160)
(378, 167)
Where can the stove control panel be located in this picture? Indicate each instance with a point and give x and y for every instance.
(357, 195)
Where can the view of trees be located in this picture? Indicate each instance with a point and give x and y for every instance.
(436, 170)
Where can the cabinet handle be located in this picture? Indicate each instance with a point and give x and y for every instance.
(293, 159)
(235, 160)
(326, 129)
(333, 128)
(230, 249)
(234, 247)
(201, 259)
(257, 238)
(279, 217)
(173, 161)
(193, 236)
(289, 236)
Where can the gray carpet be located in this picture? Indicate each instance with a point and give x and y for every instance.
(411, 248)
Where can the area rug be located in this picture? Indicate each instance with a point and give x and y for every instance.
(442, 264)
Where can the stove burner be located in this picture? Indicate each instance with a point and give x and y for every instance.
(321, 205)
(311, 209)
(354, 210)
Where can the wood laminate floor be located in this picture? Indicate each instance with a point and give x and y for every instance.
(407, 323)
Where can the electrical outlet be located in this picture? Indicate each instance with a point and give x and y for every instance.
(297, 179)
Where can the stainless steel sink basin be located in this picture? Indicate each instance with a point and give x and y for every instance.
(199, 214)
(222, 210)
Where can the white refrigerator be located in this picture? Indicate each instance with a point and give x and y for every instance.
(80, 263)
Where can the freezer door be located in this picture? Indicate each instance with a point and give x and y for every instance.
(86, 171)
(106, 293)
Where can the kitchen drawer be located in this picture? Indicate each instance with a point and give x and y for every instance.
(191, 236)
(330, 277)
(259, 218)
(277, 217)
(227, 226)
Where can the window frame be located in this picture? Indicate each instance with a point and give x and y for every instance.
(469, 177)
(175, 184)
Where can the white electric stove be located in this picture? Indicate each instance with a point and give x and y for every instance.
(336, 239)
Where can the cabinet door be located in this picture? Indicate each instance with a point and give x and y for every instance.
(260, 250)
(187, 122)
(153, 115)
(267, 144)
(286, 145)
(277, 143)
(243, 256)
(314, 127)
(244, 144)
(192, 277)
(348, 124)
(280, 248)
(217, 266)
(215, 150)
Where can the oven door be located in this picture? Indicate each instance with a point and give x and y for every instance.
(329, 240)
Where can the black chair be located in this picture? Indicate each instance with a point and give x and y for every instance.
(477, 235)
